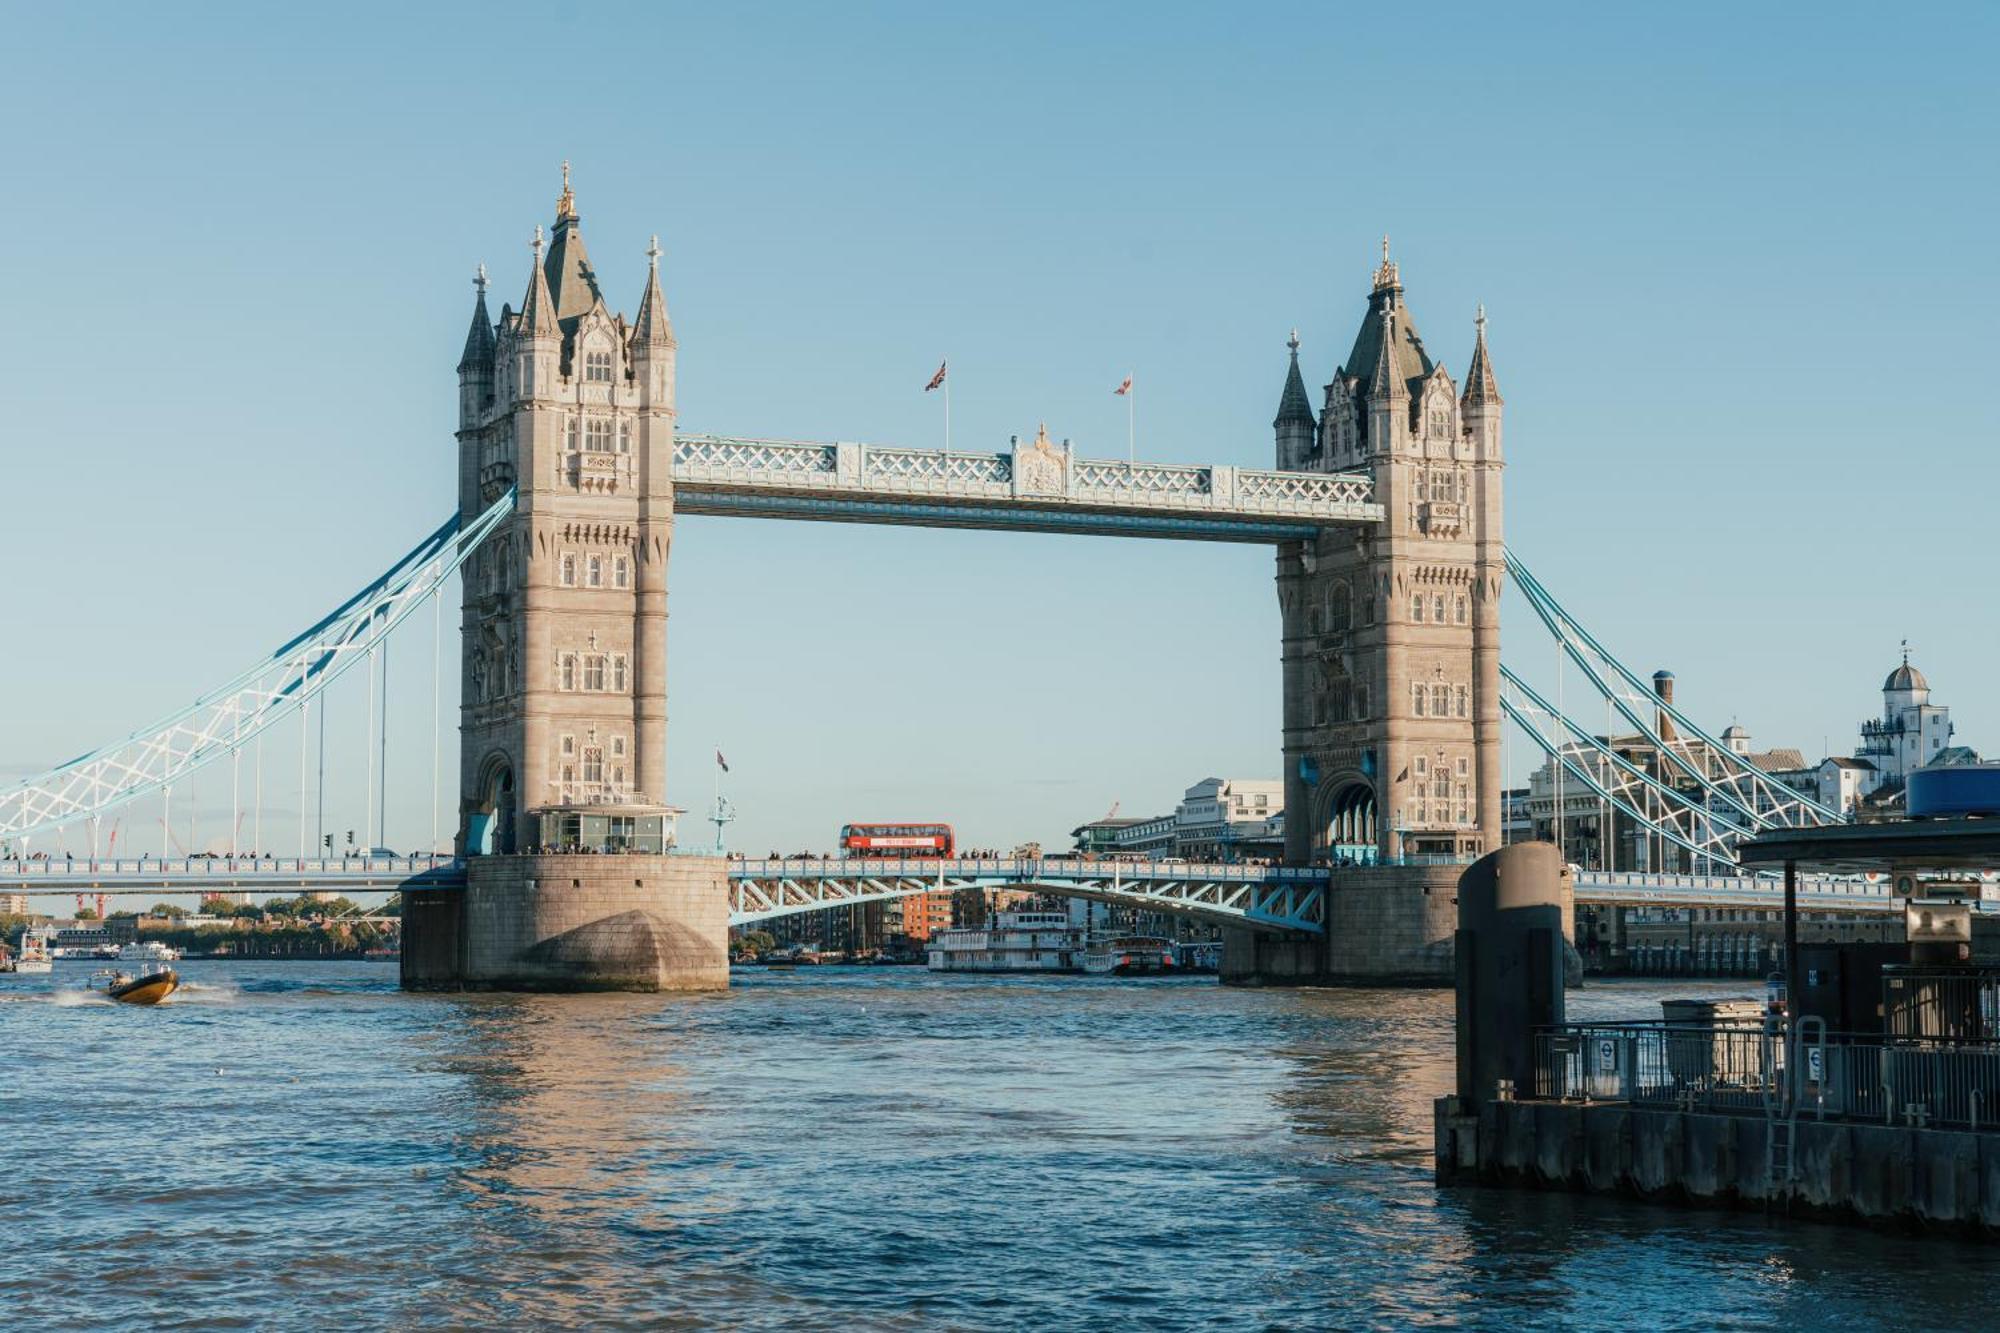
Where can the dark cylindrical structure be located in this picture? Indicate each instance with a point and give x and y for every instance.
(1509, 958)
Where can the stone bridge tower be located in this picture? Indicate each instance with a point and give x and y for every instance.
(563, 720)
(1392, 634)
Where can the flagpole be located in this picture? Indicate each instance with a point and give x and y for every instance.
(947, 413)
(1132, 422)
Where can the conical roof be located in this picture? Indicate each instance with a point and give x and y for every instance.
(479, 338)
(1294, 408)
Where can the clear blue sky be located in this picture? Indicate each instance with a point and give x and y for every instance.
(1738, 265)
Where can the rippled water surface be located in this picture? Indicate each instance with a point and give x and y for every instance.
(302, 1145)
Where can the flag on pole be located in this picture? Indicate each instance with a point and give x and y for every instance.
(720, 762)
(1124, 388)
(936, 379)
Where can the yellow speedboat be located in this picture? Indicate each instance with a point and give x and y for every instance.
(149, 989)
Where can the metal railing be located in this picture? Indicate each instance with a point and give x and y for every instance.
(1740, 1068)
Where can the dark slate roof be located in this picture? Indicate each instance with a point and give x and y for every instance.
(1842, 761)
(538, 313)
(572, 281)
(1294, 408)
(652, 327)
(1481, 387)
(478, 338)
(1410, 363)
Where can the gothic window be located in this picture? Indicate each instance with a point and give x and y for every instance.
(618, 742)
(1440, 785)
(593, 572)
(568, 746)
(1417, 697)
(624, 437)
(593, 765)
(1423, 766)
(1361, 701)
(621, 572)
(618, 684)
(1437, 608)
(1368, 609)
(568, 777)
(1458, 610)
(1461, 706)
(566, 569)
(597, 367)
(1417, 608)
(569, 434)
(1339, 608)
(597, 435)
(1441, 700)
(1464, 767)
(618, 778)
(568, 675)
(593, 671)
(1319, 710)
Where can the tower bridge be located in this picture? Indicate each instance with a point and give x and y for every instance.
(1384, 510)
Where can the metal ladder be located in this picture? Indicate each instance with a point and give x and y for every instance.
(1782, 1102)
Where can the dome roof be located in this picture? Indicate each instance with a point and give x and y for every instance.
(1734, 732)
(1905, 677)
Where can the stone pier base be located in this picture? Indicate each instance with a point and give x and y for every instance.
(1386, 926)
(572, 923)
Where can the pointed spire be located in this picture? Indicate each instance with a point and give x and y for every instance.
(566, 204)
(652, 328)
(1294, 408)
(538, 314)
(1480, 386)
(479, 338)
(1388, 381)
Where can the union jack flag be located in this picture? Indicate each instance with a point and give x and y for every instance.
(936, 379)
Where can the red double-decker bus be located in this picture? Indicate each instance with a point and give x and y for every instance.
(933, 840)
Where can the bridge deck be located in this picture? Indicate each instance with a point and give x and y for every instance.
(1036, 487)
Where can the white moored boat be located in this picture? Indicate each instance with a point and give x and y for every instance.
(1129, 956)
(148, 951)
(1035, 940)
(34, 955)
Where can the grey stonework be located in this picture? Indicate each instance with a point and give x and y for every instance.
(1372, 616)
(576, 923)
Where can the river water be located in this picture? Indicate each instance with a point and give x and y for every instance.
(293, 1144)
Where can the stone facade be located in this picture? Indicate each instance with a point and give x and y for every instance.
(565, 606)
(1391, 652)
(569, 923)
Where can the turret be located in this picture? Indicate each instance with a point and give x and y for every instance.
(475, 364)
(1294, 424)
(536, 339)
(1479, 408)
(651, 350)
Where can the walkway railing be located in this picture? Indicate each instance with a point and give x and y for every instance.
(1740, 1069)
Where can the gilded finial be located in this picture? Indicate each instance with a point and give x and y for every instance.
(1386, 275)
(653, 254)
(566, 206)
(1293, 342)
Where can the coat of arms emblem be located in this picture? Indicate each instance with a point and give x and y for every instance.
(1040, 468)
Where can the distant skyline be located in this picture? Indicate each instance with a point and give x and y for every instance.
(1737, 269)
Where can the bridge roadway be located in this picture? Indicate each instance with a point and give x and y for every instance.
(1034, 487)
(1259, 897)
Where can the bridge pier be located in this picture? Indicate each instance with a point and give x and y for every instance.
(572, 923)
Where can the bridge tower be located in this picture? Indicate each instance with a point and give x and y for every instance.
(1391, 652)
(563, 720)
(563, 724)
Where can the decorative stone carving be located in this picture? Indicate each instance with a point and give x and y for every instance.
(1041, 468)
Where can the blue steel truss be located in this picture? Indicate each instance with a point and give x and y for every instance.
(224, 719)
(1262, 898)
(1018, 518)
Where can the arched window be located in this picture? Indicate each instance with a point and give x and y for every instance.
(1437, 608)
(568, 676)
(597, 367)
(624, 437)
(618, 685)
(1417, 697)
(593, 672)
(621, 572)
(1461, 701)
(1339, 608)
(1417, 608)
(1441, 700)
(566, 569)
(593, 572)
(1458, 610)
(570, 434)
(593, 765)
(597, 435)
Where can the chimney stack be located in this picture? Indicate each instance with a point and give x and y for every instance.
(1663, 686)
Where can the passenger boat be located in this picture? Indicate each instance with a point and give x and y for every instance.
(34, 956)
(125, 988)
(1019, 941)
(148, 951)
(1129, 956)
